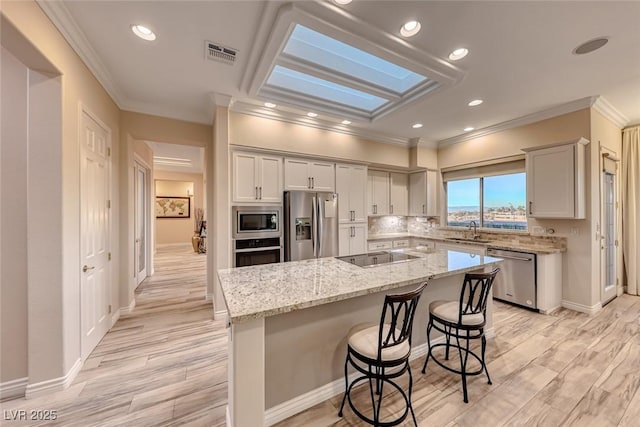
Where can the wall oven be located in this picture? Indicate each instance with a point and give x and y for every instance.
(257, 235)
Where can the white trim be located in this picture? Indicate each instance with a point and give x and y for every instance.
(171, 245)
(128, 309)
(227, 416)
(569, 107)
(220, 314)
(13, 389)
(286, 116)
(60, 16)
(298, 404)
(590, 310)
(56, 384)
(605, 108)
(115, 317)
(209, 297)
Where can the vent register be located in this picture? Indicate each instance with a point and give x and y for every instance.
(220, 53)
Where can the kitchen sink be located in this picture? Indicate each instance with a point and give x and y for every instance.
(460, 239)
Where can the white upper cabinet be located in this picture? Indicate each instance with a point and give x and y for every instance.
(256, 178)
(351, 186)
(423, 193)
(556, 180)
(399, 194)
(308, 175)
(378, 192)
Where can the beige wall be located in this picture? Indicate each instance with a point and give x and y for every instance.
(177, 230)
(257, 132)
(54, 338)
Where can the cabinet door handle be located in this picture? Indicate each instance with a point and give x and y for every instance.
(313, 182)
(309, 182)
(423, 209)
(260, 193)
(391, 209)
(530, 208)
(256, 193)
(353, 215)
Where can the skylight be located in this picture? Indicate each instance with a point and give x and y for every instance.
(309, 45)
(303, 83)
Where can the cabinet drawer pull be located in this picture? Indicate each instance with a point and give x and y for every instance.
(260, 193)
(256, 193)
(530, 208)
(313, 182)
(309, 182)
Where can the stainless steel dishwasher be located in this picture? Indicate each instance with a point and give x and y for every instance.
(516, 282)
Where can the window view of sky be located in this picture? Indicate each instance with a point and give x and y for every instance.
(504, 199)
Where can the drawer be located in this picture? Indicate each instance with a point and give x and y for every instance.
(376, 246)
(404, 243)
(424, 243)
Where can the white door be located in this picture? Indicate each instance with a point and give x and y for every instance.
(358, 193)
(296, 175)
(141, 223)
(399, 194)
(608, 237)
(418, 194)
(323, 177)
(270, 182)
(358, 243)
(245, 179)
(94, 234)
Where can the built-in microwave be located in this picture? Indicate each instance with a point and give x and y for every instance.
(255, 222)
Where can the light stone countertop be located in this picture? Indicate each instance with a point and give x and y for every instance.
(271, 289)
(494, 244)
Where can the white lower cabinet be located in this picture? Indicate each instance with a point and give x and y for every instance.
(379, 245)
(401, 243)
(549, 282)
(352, 239)
(425, 243)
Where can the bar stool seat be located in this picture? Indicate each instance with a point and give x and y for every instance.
(462, 321)
(380, 354)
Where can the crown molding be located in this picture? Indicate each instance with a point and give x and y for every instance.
(295, 118)
(422, 142)
(605, 108)
(559, 110)
(62, 19)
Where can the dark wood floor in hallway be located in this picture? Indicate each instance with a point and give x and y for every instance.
(165, 364)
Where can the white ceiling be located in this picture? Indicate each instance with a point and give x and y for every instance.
(520, 59)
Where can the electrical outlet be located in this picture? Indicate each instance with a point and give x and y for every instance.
(538, 230)
(575, 231)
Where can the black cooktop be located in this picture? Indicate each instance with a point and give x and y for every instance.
(373, 259)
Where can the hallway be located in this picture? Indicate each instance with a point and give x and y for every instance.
(163, 364)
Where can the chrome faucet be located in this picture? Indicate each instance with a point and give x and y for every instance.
(475, 229)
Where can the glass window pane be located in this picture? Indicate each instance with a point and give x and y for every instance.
(504, 201)
(309, 85)
(463, 202)
(312, 46)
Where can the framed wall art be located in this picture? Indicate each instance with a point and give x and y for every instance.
(173, 207)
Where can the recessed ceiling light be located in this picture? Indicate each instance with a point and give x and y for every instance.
(343, 1)
(410, 28)
(143, 32)
(458, 54)
(312, 114)
(468, 129)
(346, 122)
(270, 105)
(417, 126)
(590, 46)
(475, 102)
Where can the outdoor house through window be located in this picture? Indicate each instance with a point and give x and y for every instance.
(494, 196)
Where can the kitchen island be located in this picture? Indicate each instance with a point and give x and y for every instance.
(289, 324)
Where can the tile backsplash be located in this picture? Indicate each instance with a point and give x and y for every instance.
(387, 224)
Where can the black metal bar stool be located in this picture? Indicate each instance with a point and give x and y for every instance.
(381, 353)
(464, 321)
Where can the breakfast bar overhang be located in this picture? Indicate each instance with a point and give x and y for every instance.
(289, 324)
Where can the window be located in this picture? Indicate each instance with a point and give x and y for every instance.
(493, 196)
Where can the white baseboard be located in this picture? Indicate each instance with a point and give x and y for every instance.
(590, 310)
(57, 384)
(298, 404)
(129, 308)
(13, 389)
(227, 417)
(171, 245)
(114, 317)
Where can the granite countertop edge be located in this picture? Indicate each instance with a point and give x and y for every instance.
(496, 244)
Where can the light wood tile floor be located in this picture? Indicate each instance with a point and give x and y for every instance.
(165, 365)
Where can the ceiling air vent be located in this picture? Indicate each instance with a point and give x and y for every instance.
(217, 52)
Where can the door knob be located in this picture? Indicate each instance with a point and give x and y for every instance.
(86, 267)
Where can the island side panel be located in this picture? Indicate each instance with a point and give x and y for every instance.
(306, 349)
(246, 374)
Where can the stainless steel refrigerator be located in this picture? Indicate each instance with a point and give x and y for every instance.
(310, 225)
